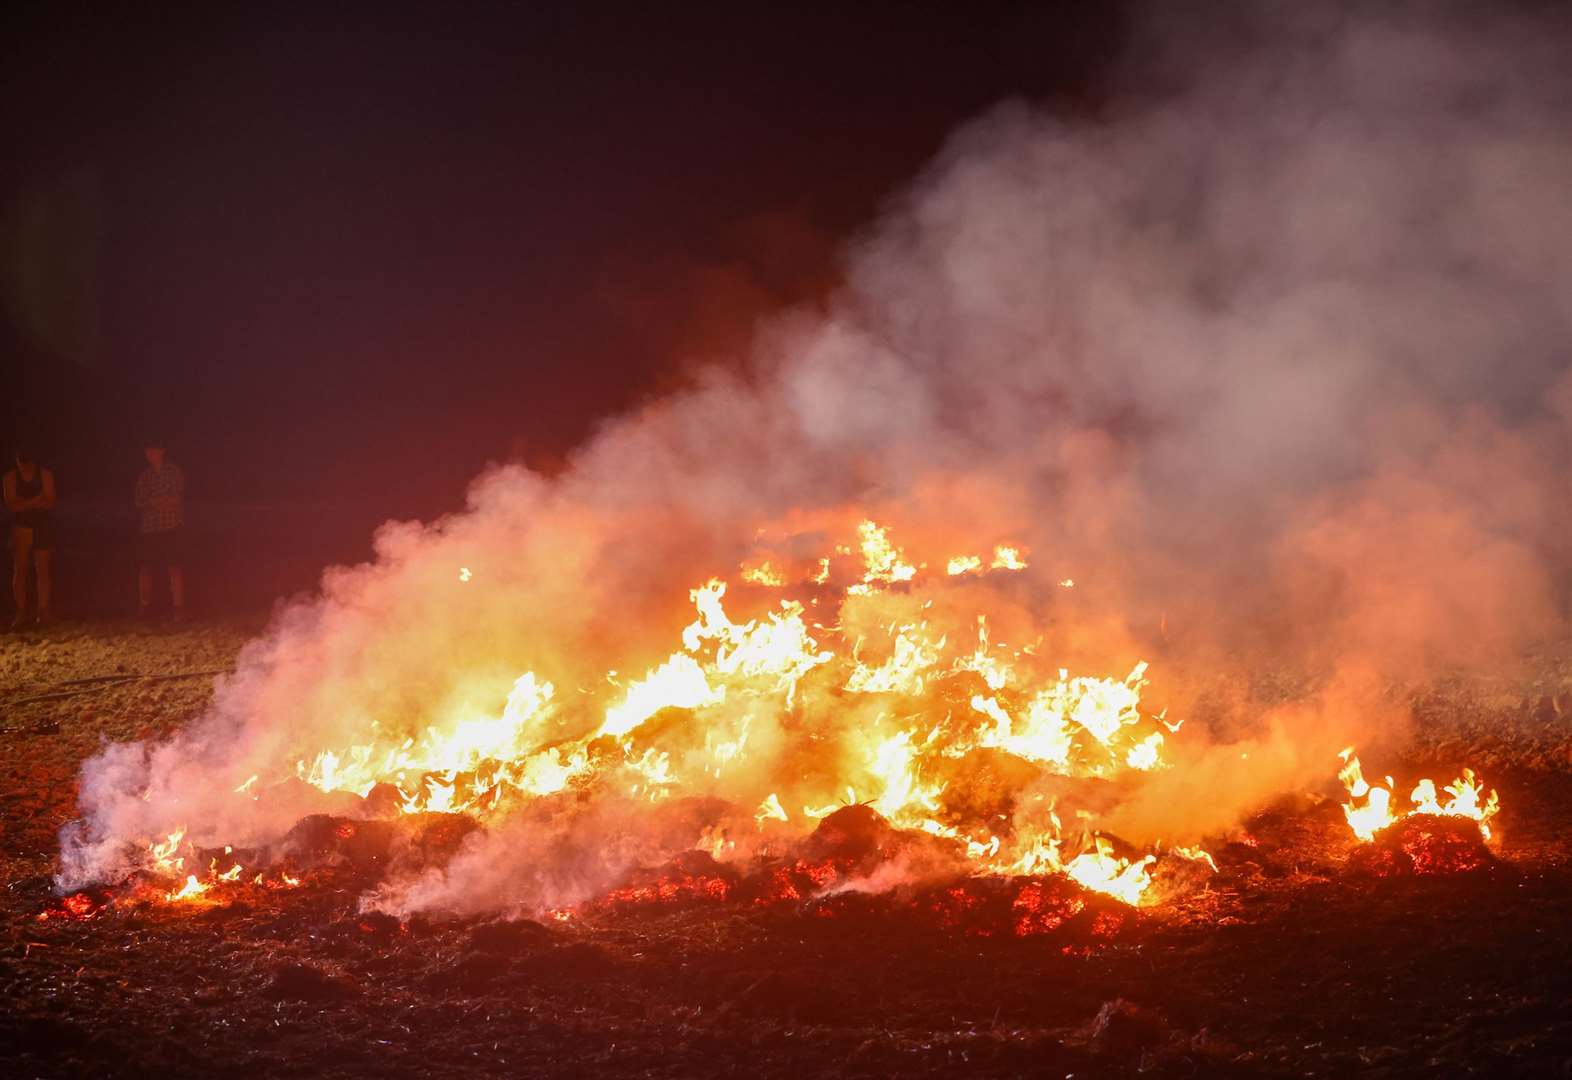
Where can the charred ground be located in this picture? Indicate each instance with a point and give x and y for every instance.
(1302, 956)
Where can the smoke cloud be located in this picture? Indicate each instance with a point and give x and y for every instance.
(1269, 356)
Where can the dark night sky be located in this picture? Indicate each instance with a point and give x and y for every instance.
(355, 256)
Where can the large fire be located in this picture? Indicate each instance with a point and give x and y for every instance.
(788, 717)
(895, 722)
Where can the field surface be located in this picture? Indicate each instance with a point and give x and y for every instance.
(1301, 956)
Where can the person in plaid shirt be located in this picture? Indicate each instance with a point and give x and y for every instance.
(160, 496)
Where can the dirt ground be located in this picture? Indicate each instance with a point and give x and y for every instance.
(1300, 957)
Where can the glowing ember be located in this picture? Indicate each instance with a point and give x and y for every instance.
(76, 907)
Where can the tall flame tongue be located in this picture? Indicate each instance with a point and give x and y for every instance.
(788, 720)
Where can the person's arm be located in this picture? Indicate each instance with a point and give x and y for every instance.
(12, 503)
(46, 501)
(142, 497)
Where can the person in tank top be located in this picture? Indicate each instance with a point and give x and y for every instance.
(30, 497)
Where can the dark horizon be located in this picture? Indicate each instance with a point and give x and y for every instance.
(351, 260)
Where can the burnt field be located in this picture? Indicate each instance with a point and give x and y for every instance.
(1305, 954)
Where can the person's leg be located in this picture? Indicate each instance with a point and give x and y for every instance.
(177, 588)
(21, 549)
(145, 558)
(42, 560)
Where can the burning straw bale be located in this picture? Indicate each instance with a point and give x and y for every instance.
(375, 849)
(1424, 844)
(692, 877)
(856, 871)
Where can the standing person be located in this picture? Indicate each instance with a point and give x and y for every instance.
(30, 496)
(160, 496)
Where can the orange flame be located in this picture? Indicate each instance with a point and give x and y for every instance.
(1369, 807)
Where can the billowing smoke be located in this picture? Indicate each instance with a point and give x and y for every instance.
(1269, 357)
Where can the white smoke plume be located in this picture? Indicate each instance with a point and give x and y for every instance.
(1269, 356)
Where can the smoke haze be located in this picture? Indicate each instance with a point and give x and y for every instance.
(1269, 357)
